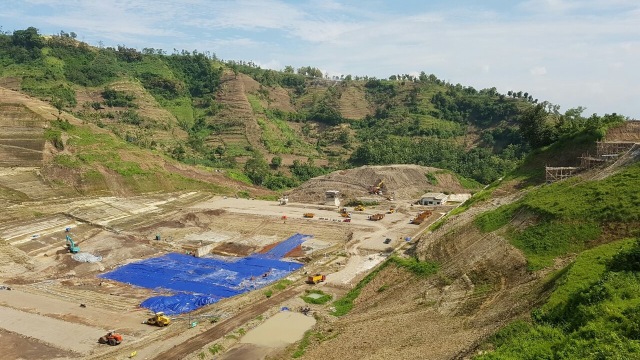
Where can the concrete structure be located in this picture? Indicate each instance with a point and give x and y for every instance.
(433, 199)
(332, 197)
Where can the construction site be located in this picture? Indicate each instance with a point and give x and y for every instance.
(51, 284)
(94, 270)
(212, 265)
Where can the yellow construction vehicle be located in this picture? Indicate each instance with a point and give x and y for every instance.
(309, 215)
(377, 189)
(392, 210)
(159, 319)
(314, 279)
(359, 208)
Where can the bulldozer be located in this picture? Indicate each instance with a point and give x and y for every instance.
(359, 208)
(345, 213)
(309, 215)
(112, 338)
(159, 319)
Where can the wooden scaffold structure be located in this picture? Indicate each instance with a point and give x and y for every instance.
(553, 174)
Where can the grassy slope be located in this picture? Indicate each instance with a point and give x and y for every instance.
(569, 215)
(136, 169)
(591, 314)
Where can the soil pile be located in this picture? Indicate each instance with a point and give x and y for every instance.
(402, 182)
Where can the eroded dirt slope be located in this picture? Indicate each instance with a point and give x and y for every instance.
(482, 283)
(400, 181)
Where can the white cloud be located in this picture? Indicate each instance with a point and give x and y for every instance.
(584, 42)
(538, 71)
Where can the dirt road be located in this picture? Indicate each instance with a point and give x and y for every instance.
(182, 350)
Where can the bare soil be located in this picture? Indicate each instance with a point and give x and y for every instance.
(19, 347)
(403, 182)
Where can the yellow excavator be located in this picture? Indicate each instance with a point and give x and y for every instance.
(159, 319)
(377, 189)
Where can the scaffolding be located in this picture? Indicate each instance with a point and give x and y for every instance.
(553, 174)
(612, 148)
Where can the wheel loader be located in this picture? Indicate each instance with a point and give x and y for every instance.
(159, 319)
(112, 338)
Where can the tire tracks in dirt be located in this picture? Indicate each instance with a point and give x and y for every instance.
(197, 342)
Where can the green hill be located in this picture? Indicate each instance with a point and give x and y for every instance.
(201, 111)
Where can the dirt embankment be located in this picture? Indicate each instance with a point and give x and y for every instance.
(482, 284)
(400, 181)
(628, 131)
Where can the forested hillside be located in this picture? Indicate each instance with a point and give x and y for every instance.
(280, 128)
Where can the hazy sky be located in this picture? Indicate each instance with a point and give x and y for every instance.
(569, 52)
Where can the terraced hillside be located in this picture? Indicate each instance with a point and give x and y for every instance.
(21, 136)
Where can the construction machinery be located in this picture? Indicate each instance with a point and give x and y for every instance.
(359, 208)
(377, 188)
(112, 338)
(309, 215)
(284, 200)
(159, 319)
(345, 213)
(317, 278)
(73, 248)
(376, 217)
(391, 210)
(421, 217)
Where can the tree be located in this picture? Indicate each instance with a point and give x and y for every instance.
(535, 127)
(256, 169)
(276, 161)
(29, 38)
(220, 150)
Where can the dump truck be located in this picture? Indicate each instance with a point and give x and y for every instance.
(314, 279)
(112, 338)
(376, 217)
(421, 217)
(159, 319)
(309, 215)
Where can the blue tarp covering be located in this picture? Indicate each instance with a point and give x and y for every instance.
(197, 282)
(280, 250)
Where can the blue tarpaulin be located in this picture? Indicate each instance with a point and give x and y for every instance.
(197, 282)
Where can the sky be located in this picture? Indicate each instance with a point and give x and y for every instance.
(568, 52)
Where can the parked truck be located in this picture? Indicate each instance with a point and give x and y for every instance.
(314, 279)
(309, 215)
(376, 217)
(421, 217)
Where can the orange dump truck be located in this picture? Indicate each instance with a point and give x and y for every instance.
(314, 279)
(308, 215)
(376, 217)
(421, 217)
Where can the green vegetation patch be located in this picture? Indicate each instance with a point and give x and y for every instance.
(67, 161)
(591, 314)
(496, 219)
(316, 297)
(543, 242)
(238, 176)
(570, 213)
(418, 268)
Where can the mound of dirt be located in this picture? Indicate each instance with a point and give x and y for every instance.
(628, 131)
(403, 182)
